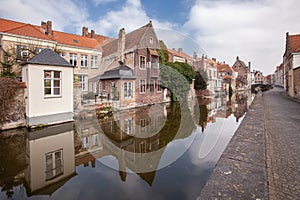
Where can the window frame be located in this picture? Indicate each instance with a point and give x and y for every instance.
(142, 62)
(84, 84)
(152, 85)
(142, 86)
(128, 90)
(52, 87)
(73, 59)
(83, 61)
(94, 62)
(159, 88)
(57, 169)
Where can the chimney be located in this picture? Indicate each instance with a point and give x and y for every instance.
(85, 31)
(92, 33)
(121, 44)
(237, 58)
(214, 59)
(49, 28)
(179, 50)
(249, 64)
(195, 55)
(43, 25)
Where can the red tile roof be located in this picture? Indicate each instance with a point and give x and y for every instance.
(223, 67)
(75, 40)
(294, 43)
(177, 54)
(22, 29)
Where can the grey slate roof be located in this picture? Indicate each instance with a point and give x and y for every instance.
(121, 72)
(48, 57)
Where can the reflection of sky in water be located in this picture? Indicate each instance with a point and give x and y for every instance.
(182, 171)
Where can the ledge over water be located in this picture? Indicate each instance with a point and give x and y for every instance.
(241, 171)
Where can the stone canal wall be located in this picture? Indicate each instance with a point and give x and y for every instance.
(241, 171)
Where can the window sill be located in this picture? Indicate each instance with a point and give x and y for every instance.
(52, 97)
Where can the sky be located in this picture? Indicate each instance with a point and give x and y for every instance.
(254, 30)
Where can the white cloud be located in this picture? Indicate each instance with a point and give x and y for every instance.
(254, 30)
(98, 2)
(63, 13)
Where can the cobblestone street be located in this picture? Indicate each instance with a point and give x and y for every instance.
(262, 160)
(282, 122)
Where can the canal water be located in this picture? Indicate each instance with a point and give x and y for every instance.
(163, 151)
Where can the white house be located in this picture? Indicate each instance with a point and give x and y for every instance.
(49, 92)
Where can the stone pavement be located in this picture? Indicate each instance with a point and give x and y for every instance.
(261, 160)
(282, 122)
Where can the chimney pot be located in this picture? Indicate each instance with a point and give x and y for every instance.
(121, 44)
(44, 25)
(92, 33)
(49, 28)
(85, 31)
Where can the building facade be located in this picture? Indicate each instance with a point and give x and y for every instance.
(291, 65)
(20, 42)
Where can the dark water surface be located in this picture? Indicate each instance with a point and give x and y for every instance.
(164, 151)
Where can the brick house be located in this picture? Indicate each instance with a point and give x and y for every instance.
(180, 56)
(243, 80)
(291, 63)
(138, 51)
(210, 67)
(227, 75)
(258, 77)
(20, 41)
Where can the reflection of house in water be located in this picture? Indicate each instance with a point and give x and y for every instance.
(223, 107)
(51, 161)
(241, 103)
(137, 138)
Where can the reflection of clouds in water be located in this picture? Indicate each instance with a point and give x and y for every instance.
(209, 146)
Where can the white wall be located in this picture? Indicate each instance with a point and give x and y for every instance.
(39, 105)
(296, 60)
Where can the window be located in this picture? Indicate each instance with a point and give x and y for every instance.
(142, 86)
(143, 125)
(83, 80)
(152, 85)
(142, 62)
(73, 59)
(54, 164)
(63, 55)
(52, 83)
(22, 52)
(38, 50)
(128, 90)
(128, 126)
(83, 60)
(158, 85)
(151, 40)
(94, 62)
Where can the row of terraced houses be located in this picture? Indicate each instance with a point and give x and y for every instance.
(287, 74)
(125, 68)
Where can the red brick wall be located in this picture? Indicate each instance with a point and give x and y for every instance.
(141, 74)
